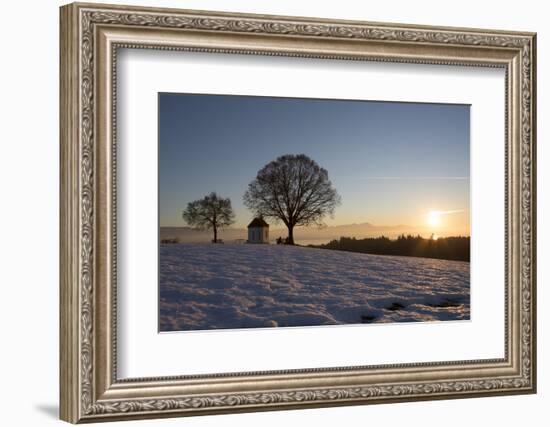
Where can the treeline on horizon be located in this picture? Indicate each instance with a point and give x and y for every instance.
(450, 248)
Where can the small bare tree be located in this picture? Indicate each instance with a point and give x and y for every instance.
(209, 213)
(293, 189)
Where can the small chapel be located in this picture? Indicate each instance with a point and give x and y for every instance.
(258, 231)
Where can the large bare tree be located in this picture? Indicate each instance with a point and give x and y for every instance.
(293, 189)
(209, 213)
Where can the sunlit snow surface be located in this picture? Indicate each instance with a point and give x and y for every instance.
(207, 286)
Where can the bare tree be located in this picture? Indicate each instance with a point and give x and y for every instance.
(293, 189)
(210, 213)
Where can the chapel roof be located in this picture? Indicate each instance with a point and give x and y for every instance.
(258, 222)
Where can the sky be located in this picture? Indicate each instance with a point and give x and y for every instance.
(392, 163)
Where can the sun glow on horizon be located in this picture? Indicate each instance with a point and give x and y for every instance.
(434, 218)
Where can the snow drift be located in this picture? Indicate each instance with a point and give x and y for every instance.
(205, 286)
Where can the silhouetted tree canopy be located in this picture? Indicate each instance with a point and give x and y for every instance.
(209, 213)
(293, 189)
(452, 248)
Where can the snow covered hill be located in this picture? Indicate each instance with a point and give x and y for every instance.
(205, 286)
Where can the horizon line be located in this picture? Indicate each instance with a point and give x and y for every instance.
(282, 227)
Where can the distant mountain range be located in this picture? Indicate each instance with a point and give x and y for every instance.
(309, 234)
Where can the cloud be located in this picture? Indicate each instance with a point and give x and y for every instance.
(443, 178)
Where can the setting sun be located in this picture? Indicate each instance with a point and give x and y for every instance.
(434, 218)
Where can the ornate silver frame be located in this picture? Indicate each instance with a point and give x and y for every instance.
(90, 36)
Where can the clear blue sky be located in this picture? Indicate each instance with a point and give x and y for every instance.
(392, 163)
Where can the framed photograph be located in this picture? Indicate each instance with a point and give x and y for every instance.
(266, 212)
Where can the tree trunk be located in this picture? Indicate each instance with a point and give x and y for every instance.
(215, 234)
(290, 235)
